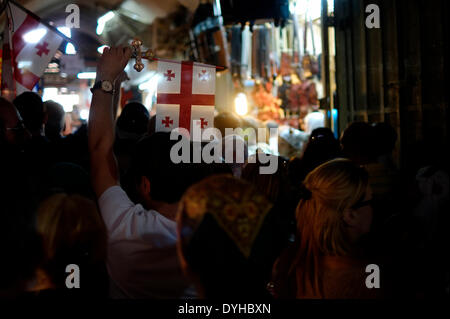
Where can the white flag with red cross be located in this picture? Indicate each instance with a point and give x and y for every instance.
(185, 96)
(33, 46)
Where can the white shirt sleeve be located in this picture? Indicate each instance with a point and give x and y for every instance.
(125, 220)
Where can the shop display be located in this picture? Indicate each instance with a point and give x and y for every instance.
(268, 106)
(284, 66)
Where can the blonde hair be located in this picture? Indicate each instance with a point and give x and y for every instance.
(335, 187)
(70, 224)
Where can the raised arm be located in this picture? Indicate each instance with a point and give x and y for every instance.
(104, 170)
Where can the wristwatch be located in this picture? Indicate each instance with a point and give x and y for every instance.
(106, 86)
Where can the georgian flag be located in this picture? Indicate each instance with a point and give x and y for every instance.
(33, 46)
(185, 96)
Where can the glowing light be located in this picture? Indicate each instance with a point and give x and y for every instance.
(70, 49)
(23, 64)
(66, 31)
(100, 49)
(84, 114)
(87, 75)
(102, 21)
(66, 100)
(34, 36)
(311, 7)
(150, 85)
(49, 93)
(241, 104)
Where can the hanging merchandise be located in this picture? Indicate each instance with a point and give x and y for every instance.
(310, 65)
(284, 92)
(236, 50)
(209, 35)
(286, 64)
(273, 55)
(255, 55)
(257, 51)
(263, 53)
(246, 58)
(268, 105)
(302, 97)
(266, 65)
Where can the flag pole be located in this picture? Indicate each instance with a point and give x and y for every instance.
(66, 38)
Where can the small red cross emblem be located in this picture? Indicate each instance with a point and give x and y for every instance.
(42, 48)
(203, 122)
(167, 122)
(169, 75)
(203, 76)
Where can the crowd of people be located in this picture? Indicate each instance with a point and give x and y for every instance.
(109, 199)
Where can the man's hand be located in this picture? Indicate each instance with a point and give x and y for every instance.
(101, 121)
(112, 63)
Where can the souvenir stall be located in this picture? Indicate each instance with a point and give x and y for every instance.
(276, 62)
(271, 53)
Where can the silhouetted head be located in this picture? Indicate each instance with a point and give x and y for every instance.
(271, 185)
(157, 177)
(322, 146)
(131, 126)
(333, 214)
(226, 120)
(133, 121)
(235, 152)
(67, 178)
(55, 120)
(31, 108)
(222, 227)
(73, 232)
(358, 143)
(386, 138)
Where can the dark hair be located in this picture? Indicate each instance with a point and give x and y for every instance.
(151, 158)
(386, 138)
(31, 108)
(69, 178)
(55, 119)
(73, 232)
(358, 142)
(226, 120)
(322, 147)
(271, 185)
(134, 118)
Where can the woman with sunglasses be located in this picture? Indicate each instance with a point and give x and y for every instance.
(332, 217)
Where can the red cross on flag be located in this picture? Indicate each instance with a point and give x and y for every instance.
(185, 95)
(33, 45)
